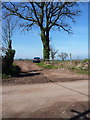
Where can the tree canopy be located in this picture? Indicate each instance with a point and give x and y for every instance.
(45, 15)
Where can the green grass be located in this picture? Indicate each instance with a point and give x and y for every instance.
(14, 64)
(71, 68)
(79, 70)
(86, 60)
(45, 66)
(83, 72)
(65, 64)
(5, 76)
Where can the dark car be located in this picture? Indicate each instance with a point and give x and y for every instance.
(36, 60)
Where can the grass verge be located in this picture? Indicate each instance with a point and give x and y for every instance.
(46, 66)
(4, 76)
(79, 70)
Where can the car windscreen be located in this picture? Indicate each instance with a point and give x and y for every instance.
(36, 58)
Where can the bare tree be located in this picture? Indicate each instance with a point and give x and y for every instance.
(53, 52)
(45, 15)
(8, 28)
(63, 55)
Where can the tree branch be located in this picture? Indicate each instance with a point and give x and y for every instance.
(35, 14)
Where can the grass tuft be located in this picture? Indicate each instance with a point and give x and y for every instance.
(46, 66)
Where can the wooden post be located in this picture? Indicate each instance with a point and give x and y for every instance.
(70, 59)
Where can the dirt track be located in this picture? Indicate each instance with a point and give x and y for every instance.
(32, 74)
(50, 100)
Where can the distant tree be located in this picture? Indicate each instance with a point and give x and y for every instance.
(45, 15)
(63, 55)
(53, 52)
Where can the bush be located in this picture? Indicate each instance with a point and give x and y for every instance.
(76, 62)
(4, 76)
(79, 70)
(7, 62)
(8, 67)
(15, 70)
(71, 67)
(85, 60)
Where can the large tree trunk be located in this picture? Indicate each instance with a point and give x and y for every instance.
(45, 41)
(46, 50)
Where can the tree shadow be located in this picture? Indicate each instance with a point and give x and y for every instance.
(80, 115)
(28, 74)
(68, 79)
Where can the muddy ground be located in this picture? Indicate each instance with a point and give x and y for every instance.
(31, 74)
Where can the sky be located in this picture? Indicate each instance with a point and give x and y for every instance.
(28, 45)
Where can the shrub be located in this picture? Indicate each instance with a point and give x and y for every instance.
(7, 61)
(4, 76)
(15, 70)
(86, 60)
(71, 67)
(8, 68)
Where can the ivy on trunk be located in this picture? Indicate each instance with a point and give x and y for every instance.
(45, 41)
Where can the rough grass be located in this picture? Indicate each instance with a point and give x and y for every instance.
(5, 76)
(79, 70)
(67, 65)
(46, 66)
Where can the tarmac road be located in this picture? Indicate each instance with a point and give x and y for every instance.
(49, 100)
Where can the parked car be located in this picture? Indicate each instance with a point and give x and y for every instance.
(36, 60)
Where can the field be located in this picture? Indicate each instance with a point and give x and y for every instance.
(53, 91)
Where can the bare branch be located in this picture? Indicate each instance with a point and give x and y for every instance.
(8, 27)
(36, 14)
(45, 15)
